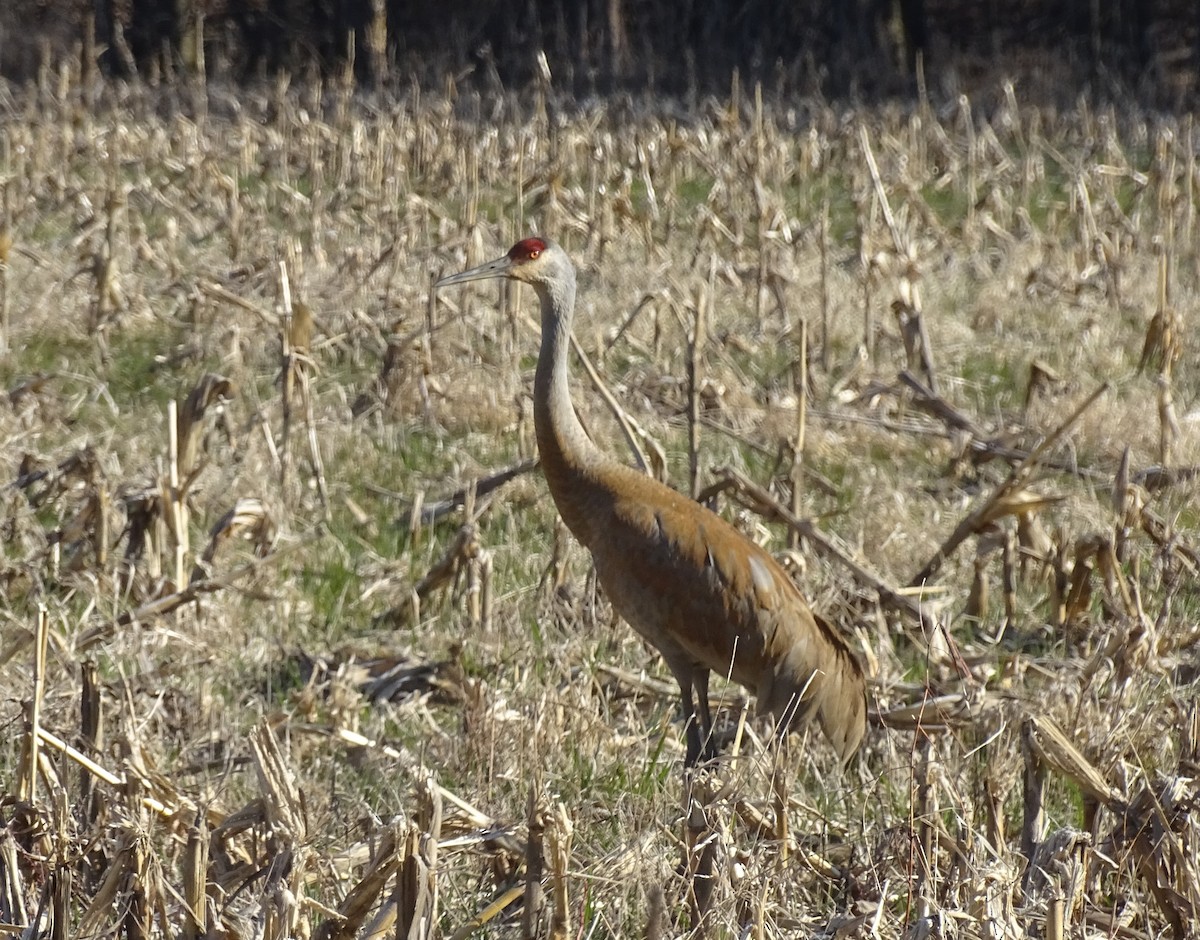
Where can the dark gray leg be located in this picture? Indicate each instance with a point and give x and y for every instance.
(700, 681)
(692, 733)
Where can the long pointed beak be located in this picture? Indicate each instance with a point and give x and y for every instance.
(498, 268)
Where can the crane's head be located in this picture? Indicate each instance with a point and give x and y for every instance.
(534, 260)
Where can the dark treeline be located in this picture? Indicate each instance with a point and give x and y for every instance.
(679, 47)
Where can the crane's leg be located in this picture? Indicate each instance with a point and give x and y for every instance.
(709, 744)
(698, 723)
(693, 678)
(691, 726)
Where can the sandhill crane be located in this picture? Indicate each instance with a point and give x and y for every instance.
(705, 596)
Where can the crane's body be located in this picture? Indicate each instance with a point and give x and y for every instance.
(706, 597)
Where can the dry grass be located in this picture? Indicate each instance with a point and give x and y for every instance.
(275, 666)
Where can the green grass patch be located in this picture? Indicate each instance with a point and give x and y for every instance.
(995, 383)
(949, 204)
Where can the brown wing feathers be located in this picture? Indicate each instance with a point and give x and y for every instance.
(732, 608)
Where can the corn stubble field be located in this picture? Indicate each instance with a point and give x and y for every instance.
(287, 650)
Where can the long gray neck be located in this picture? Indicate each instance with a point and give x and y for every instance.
(567, 453)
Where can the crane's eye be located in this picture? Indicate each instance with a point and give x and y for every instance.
(533, 254)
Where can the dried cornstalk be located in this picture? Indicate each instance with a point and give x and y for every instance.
(1167, 539)
(934, 404)
(89, 527)
(432, 512)
(1059, 869)
(533, 916)
(360, 899)
(288, 831)
(1159, 830)
(310, 424)
(139, 889)
(1159, 477)
(993, 804)
(1006, 499)
(280, 908)
(390, 379)
(918, 351)
(1168, 423)
(195, 879)
(1041, 376)
(696, 340)
(1161, 350)
(157, 607)
(1189, 175)
(119, 781)
(558, 835)
(211, 391)
(973, 159)
(247, 518)
(108, 297)
(1033, 818)
(1053, 749)
(444, 572)
(6, 243)
(823, 242)
(898, 241)
(800, 382)
(1055, 918)
(1123, 497)
(430, 815)
(27, 774)
(426, 349)
(655, 913)
(490, 912)
(1078, 598)
(233, 213)
(281, 798)
(925, 814)
(937, 713)
(221, 293)
(1009, 568)
(989, 542)
(121, 862)
(701, 845)
(295, 338)
(12, 886)
(1035, 545)
(91, 734)
(779, 800)
(146, 535)
(483, 566)
(175, 499)
(646, 301)
(907, 305)
(1189, 739)
(868, 265)
(479, 590)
